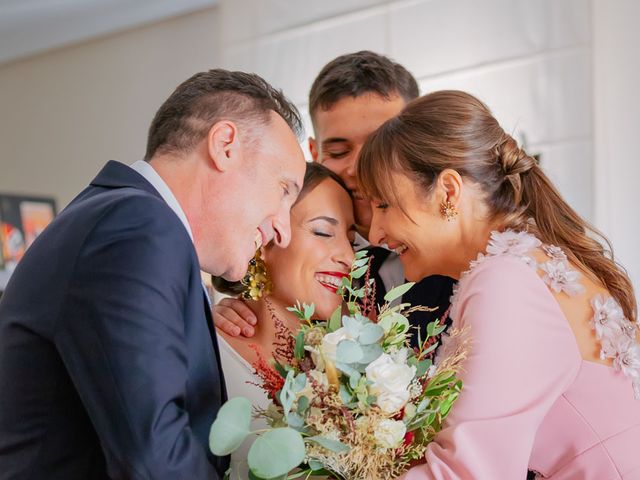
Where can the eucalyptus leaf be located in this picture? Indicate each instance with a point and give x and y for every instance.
(231, 427)
(430, 349)
(315, 465)
(347, 369)
(253, 476)
(352, 325)
(335, 446)
(300, 382)
(422, 367)
(348, 351)
(430, 328)
(309, 311)
(287, 395)
(276, 453)
(335, 321)
(354, 379)
(423, 405)
(303, 404)
(398, 291)
(299, 348)
(295, 421)
(370, 353)
(361, 254)
(345, 395)
(359, 272)
(280, 369)
(370, 333)
(360, 262)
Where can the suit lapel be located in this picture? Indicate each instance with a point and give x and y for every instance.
(214, 341)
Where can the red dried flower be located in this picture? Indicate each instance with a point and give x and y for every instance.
(408, 438)
(270, 380)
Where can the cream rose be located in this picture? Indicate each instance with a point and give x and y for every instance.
(390, 433)
(390, 377)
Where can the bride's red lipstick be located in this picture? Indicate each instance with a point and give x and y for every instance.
(332, 288)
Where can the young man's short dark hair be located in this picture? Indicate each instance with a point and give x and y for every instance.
(354, 74)
(208, 97)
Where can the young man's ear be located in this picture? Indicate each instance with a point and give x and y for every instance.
(313, 148)
(223, 144)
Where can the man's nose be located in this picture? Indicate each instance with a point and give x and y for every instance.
(350, 171)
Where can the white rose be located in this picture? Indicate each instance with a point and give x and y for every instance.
(390, 433)
(390, 382)
(330, 342)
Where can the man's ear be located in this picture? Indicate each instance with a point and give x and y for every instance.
(223, 144)
(313, 148)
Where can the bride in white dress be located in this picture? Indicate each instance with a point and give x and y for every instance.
(309, 270)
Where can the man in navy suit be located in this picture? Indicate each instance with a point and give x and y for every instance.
(109, 365)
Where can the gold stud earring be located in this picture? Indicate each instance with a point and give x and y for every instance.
(448, 210)
(256, 281)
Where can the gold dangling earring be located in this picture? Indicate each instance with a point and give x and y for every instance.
(256, 281)
(448, 210)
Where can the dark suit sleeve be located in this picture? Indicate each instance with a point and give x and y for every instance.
(121, 335)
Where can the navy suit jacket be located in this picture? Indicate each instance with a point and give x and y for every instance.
(109, 365)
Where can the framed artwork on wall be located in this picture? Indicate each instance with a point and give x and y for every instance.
(22, 219)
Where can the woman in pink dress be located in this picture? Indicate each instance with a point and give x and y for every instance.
(552, 376)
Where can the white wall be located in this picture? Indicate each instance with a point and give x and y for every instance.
(66, 112)
(616, 73)
(529, 60)
(563, 73)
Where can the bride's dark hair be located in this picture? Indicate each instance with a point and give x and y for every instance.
(452, 129)
(314, 175)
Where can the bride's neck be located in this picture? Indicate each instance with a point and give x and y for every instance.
(265, 310)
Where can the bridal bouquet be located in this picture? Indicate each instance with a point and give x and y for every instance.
(349, 398)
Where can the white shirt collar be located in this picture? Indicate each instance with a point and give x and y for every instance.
(391, 271)
(146, 170)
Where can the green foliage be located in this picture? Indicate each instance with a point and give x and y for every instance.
(398, 291)
(231, 426)
(328, 443)
(268, 459)
(299, 348)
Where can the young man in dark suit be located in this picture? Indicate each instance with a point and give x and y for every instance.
(350, 98)
(109, 364)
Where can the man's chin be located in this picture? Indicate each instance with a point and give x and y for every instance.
(234, 276)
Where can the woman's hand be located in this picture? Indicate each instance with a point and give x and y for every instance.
(234, 318)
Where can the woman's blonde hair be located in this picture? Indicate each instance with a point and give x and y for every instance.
(452, 129)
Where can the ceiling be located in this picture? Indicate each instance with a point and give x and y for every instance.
(28, 27)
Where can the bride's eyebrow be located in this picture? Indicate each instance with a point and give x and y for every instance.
(330, 220)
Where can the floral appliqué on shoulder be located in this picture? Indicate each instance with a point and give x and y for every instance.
(616, 334)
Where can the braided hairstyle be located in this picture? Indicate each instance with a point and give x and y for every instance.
(453, 129)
